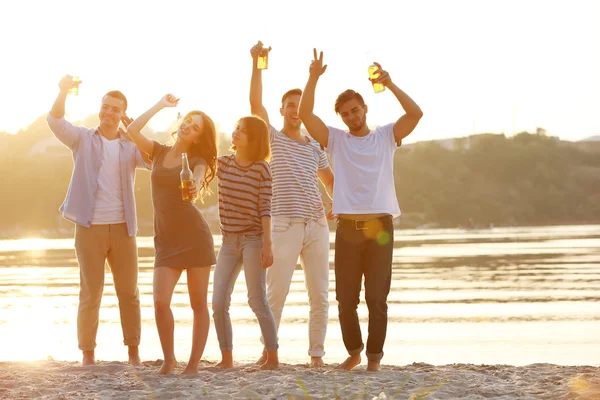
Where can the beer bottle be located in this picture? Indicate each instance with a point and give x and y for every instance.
(187, 178)
(75, 88)
(263, 59)
(373, 73)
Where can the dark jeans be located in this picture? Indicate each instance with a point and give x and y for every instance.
(363, 248)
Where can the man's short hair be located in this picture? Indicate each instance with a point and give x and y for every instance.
(290, 93)
(347, 96)
(117, 95)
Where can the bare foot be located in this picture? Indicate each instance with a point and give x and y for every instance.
(88, 358)
(272, 361)
(224, 365)
(134, 356)
(262, 359)
(316, 362)
(349, 363)
(135, 360)
(269, 365)
(373, 366)
(167, 367)
(190, 369)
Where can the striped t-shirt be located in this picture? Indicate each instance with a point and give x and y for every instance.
(244, 195)
(295, 180)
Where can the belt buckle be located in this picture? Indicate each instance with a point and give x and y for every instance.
(360, 225)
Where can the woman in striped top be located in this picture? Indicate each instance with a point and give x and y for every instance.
(245, 214)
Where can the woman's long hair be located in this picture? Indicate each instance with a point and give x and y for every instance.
(206, 148)
(258, 138)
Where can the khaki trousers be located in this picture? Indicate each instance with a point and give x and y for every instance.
(94, 246)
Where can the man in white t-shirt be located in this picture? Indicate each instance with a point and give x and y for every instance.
(100, 202)
(300, 226)
(364, 202)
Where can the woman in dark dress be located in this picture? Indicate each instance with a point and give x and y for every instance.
(182, 238)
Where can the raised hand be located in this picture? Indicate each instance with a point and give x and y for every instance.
(316, 66)
(258, 50)
(169, 101)
(126, 120)
(384, 76)
(66, 83)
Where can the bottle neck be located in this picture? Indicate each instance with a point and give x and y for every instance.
(184, 161)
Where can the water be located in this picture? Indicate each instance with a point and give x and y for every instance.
(500, 296)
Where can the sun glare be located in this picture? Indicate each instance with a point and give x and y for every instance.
(35, 244)
(497, 80)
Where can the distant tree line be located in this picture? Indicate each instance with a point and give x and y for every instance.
(527, 179)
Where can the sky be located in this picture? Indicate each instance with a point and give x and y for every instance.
(472, 66)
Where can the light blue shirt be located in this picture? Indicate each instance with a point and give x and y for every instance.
(86, 146)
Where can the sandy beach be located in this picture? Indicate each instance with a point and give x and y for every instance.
(504, 314)
(117, 380)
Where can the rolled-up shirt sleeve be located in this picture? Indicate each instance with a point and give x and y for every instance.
(67, 133)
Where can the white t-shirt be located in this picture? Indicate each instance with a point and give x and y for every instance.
(109, 208)
(294, 168)
(364, 171)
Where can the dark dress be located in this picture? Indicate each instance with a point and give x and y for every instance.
(182, 237)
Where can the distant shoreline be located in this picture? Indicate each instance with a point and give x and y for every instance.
(67, 233)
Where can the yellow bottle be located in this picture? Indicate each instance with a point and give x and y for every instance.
(377, 87)
(263, 59)
(75, 88)
(187, 178)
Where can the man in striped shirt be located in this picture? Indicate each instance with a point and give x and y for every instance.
(300, 226)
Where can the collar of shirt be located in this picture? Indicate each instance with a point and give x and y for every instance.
(122, 138)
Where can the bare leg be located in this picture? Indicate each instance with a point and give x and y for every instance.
(88, 358)
(164, 283)
(226, 359)
(198, 288)
(350, 363)
(134, 356)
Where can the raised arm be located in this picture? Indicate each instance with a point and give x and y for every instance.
(142, 160)
(408, 122)
(64, 131)
(135, 128)
(315, 127)
(256, 104)
(58, 108)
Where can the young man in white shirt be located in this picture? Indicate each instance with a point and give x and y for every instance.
(365, 203)
(300, 226)
(100, 201)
